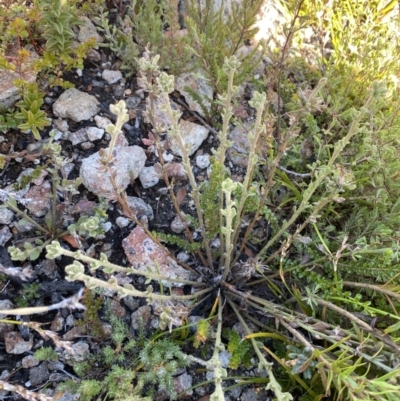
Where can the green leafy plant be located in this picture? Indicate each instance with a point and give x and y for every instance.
(57, 19)
(30, 116)
(29, 293)
(215, 36)
(46, 354)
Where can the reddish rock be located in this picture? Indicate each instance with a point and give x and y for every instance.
(145, 255)
(39, 199)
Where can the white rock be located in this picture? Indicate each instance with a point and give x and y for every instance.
(203, 161)
(6, 216)
(193, 136)
(76, 105)
(128, 164)
(102, 122)
(111, 76)
(107, 226)
(88, 31)
(122, 222)
(149, 177)
(94, 133)
(199, 86)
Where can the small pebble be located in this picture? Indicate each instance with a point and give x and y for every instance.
(107, 226)
(203, 161)
(122, 222)
(111, 76)
(183, 257)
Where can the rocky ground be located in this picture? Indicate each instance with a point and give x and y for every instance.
(79, 117)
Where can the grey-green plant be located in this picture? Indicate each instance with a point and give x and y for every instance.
(330, 178)
(322, 171)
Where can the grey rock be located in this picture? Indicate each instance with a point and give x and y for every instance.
(6, 216)
(131, 302)
(24, 226)
(21, 193)
(5, 235)
(5, 327)
(62, 125)
(133, 102)
(119, 90)
(67, 169)
(224, 357)
(70, 321)
(4, 375)
(102, 122)
(93, 55)
(29, 362)
(76, 105)
(55, 365)
(94, 133)
(128, 163)
(122, 222)
(58, 134)
(98, 84)
(193, 136)
(67, 396)
(239, 151)
(39, 374)
(78, 137)
(249, 394)
(149, 177)
(88, 31)
(141, 317)
(15, 344)
(87, 145)
(107, 226)
(203, 161)
(161, 117)
(183, 257)
(140, 207)
(8, 91)
(58, 377)
(235, 393)
(111, 76)
(182, 385)
(39, 199)
(199, 86)
(58, 323)
(81, 352)
(177, 225)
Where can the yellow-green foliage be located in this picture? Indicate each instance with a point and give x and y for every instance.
(241, 351)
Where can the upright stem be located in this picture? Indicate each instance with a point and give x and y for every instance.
(176, 134)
